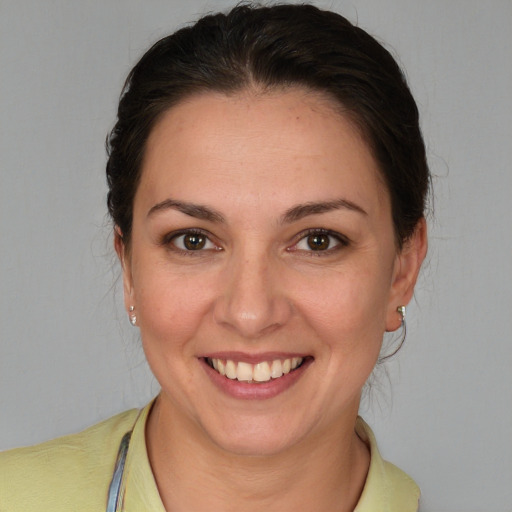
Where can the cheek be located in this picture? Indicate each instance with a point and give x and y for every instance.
(346, 313)
(170, 306)
(349, 307)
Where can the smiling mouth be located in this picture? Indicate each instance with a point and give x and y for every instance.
(255, 373)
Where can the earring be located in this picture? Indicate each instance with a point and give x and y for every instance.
(133, 317)
(401, 311)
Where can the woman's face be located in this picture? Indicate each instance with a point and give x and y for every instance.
(262, 240)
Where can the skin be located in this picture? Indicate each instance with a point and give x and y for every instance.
(257, 287)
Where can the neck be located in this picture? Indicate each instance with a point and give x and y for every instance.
(324, 473)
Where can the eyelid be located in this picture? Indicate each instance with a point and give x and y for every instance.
(168, 238)
(342, 239)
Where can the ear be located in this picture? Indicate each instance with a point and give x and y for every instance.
(407, 267)
(124, 258)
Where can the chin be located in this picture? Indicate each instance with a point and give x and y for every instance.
(256, 436)
(253, 444)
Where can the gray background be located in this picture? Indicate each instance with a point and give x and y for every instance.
(68, 357)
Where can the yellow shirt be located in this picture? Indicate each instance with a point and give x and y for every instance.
(73, 473)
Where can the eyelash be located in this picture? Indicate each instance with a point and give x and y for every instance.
(342, 241)
(169, 241)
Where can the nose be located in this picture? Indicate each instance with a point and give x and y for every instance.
(253, 299)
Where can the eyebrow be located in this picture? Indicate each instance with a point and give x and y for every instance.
(292, 215)
(314, 208)
(190, 209)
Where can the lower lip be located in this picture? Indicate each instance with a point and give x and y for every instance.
(255, 391)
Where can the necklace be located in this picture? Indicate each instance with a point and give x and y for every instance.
(113, 501)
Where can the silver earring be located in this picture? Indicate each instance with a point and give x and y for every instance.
(401, 312)
(133, 317)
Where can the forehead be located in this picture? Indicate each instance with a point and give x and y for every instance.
(248, 142)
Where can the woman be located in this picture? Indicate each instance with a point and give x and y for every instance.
(267, 183)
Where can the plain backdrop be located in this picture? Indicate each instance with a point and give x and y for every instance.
(68, 357)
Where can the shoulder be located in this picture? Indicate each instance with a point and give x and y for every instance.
(66, 473)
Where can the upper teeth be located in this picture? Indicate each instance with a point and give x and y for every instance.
(260, 372)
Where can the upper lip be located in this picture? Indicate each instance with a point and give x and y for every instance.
(252, 358)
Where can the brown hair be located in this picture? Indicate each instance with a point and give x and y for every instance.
(271, 47)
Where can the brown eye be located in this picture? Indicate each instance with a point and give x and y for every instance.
(318, 242)
(194, 242)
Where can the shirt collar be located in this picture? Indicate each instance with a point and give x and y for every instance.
(387, 488)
